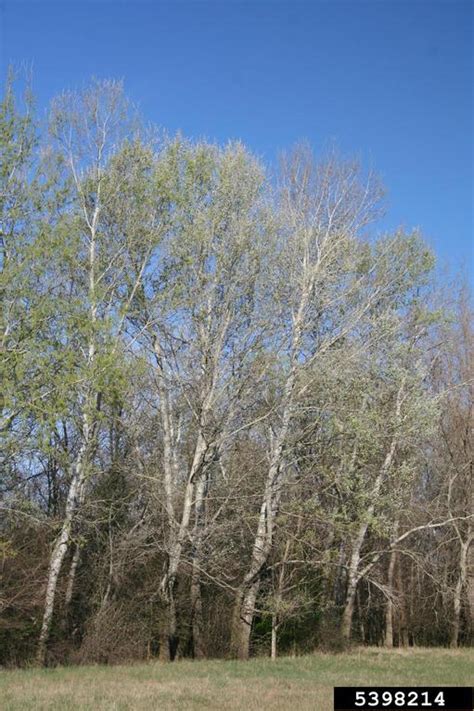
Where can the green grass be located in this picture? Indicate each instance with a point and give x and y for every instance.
(289, 683)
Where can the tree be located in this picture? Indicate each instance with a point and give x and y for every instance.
(201, 341)
(323, 207)
(453, 379)
(86, 130)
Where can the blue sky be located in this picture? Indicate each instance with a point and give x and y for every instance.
(390, 81)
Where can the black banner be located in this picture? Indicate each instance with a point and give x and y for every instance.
(403, 698)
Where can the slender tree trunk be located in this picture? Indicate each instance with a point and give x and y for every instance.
(169, 459)
(360, 617)
(168, 623)
(73, 502)
(199, 647)
(470, 588)
(457, 613)
(412, 606)
(88, 436)
(276, 616)
(59, 551)
(71, 579)
(353, 573)
(274, 649)
(388, 638)
(458, 591)
(168, 634)
(347, 615)
(72, 576)
(244, 608)
(353, 577)
(338, 585)
(402, 613)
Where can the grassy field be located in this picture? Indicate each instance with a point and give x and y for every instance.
(296, 684)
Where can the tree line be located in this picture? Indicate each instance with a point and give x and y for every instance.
(234, 419)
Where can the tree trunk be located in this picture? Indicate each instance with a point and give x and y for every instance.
(353, 580)
(360, 617)
(470, 587)
(72, 575)
(388, 638)
(402, 611)
(199, 647)
(273, 653)
(346, 625)
(458, 591)
(168, 634)
(354, 575)
(457, 613)
(76, 487)
(57, 556)
(244, 611)
(168, 581)
(74, 562)
(244, 608)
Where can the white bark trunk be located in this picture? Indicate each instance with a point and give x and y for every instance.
(75, 558)
(244, 608)
(168, 581)
(353, 572)
(169, 458)
(59, 551)
(346, 625)
(76, 489)
(247, 595)
(199, 650)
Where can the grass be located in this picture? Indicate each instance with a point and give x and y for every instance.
(298, 683)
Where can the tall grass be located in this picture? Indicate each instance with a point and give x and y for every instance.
(297, 683)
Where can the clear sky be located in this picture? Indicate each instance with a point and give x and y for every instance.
(389, 80)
